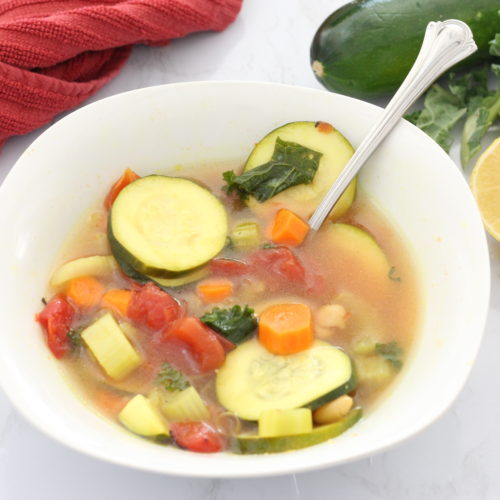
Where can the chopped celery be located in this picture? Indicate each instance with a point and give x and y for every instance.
(245, 236)
(110, 347)
(140, 417)
(363, 345)
(373, 370)
(185, 405)
(285, 422)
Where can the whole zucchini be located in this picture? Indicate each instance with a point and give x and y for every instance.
(366, 48)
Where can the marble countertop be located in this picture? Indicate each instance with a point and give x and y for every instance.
(458, 457)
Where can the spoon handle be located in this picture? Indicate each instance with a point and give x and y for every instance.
(445, 43)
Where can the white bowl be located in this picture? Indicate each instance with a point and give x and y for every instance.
(71, 166)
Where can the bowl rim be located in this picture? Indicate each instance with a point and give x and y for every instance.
(270, 469)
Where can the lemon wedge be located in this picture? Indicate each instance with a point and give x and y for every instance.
(485, 186)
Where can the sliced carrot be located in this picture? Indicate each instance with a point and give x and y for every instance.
(110, 401)
(288, 228)
(214, 290)
(286, 328)
(84, 292)
(117, 300)
(127, 177)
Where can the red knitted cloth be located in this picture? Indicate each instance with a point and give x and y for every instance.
(55, 54)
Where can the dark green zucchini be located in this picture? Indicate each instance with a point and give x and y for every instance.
(366, 48)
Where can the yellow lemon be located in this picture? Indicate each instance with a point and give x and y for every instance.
(485, 185)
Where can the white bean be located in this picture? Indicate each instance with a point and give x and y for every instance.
(331, 315)
(334, 410)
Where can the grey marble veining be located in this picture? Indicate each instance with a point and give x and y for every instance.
(456, 458)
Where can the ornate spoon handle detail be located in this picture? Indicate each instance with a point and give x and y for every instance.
(445, 43)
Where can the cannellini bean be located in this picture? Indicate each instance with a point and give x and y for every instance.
(334, 410)
(323, 333)
(331, 315)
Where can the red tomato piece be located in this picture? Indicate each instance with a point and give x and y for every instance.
(127, 177)
(228, 267)
(197, 436)
(152, 307)
(56, 319)
(278, 263)
(202, 342)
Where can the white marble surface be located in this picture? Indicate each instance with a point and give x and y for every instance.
(458, 457)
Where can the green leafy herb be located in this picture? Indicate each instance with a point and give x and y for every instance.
(75, 337)
(479, 119)
(468, 96)
(236, 324)
(267, 246)
(229, 243)
(392, 275)
(171, 379)
(495, 45)
(392, 352)
(442, 111)
(290, 165)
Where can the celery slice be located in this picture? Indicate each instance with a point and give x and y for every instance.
(285, 422)
(245, 236)
(111, 348)
(185, 405)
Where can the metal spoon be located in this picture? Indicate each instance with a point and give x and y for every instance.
(445, 43)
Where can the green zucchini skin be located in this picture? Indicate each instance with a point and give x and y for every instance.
(346, 388)
(165, 284)
(247, 445)
(366, 48)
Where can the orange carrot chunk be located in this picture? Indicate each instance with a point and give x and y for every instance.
(214, 290)
(286, 328)
(288, 228)
(85, 292)
(117, 300)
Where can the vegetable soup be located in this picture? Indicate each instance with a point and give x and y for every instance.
(199, 311)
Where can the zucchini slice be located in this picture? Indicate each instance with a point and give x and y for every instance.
(96, 265)
(165, 226)
(252, 380)
(304, 198)
(247, 445)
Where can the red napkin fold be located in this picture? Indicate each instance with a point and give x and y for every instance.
(55, 54)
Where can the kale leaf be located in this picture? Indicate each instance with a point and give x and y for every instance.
(171, 379)
(468, 96)
(479, 119)
(442, 111)
(495, 45)
(75, 337)
(236, 324)
(290, 165)
(392, 352)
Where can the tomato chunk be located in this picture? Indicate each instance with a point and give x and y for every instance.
(127, 177)
(56, 319)
(197, 436)
(228, 267)
(202, 342)
(152, 307)
(278, 263)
